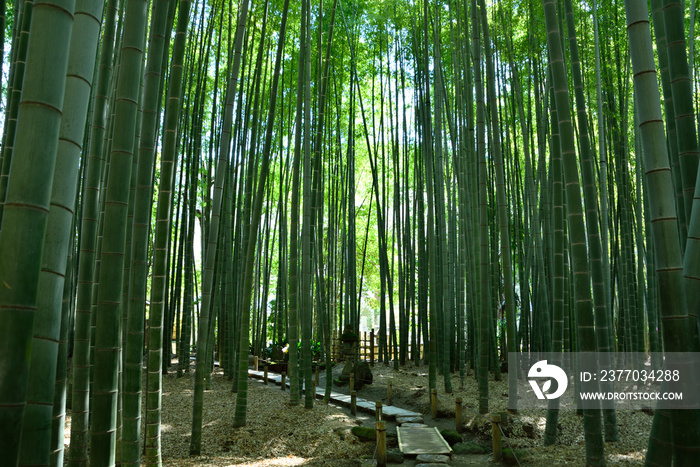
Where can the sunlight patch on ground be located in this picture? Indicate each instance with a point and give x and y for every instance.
(281, 461)
(627, 457)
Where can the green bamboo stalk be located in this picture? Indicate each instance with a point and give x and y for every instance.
(446, 290)
(25, 217)
(212, 235)
(669, 112)
(674, 317)
(109, 298)
(485, 301)
(143, 198)
(504, 224)
(14, 92)
(306, 314)
(57, 452)
(682, 91)
(36, 437)
(577, 230)
(556, 334)
(153, 455)
(241, 399)
(77, 456)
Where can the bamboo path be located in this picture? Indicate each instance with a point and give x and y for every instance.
(389, 412)
(413, 440)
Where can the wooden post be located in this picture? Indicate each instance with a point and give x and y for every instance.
(458, 414)
(388, 393)
(255, 360)
(352, 381)
(381, 443)
(353, 402)
(317, 375)
(433, 403)
(379, 410)
(265, 375)
(313, 391)
(284, 377)
(496, 434)
(363, 346)
(371, 347)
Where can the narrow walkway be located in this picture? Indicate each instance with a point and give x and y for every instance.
(388, 411)
(415, 438)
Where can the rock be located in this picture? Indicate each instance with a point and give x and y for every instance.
(468, 448)
(364, 433)
(342, 432)
(363, 375)
(430, 464)
(338, 382)
(419, 425)
(479, 424)
(509, 456)
(529, 430)
(432, 459)
(402, 420)
(394, 457)
(451, 436)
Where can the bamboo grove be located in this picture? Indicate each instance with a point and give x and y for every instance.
(469, 179)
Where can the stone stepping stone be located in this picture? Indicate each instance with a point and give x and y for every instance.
(402, 420)
(432, 459)
(395, 412)
(422, 425)
(431, 464)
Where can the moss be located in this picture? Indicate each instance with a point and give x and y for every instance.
(451, 436)
(395, 457)
(468, 448)
(364, 433)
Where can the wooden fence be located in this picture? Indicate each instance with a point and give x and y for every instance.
(368, 346)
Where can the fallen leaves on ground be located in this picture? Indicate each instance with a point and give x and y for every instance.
(275, 432)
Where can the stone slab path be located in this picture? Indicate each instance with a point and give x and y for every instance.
(413, 440)
(388, 411)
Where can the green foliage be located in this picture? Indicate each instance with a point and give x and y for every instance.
(316, 349)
